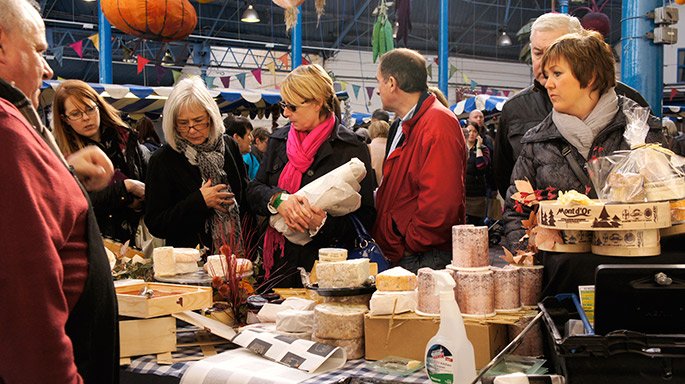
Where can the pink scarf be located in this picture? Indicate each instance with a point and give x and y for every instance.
(301, 148)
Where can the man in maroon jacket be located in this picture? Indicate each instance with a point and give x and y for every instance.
(422, 193)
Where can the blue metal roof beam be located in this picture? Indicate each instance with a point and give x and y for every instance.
(351, 24)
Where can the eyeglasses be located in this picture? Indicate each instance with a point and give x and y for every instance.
(291, 107)
(78, 114)
(199, 126)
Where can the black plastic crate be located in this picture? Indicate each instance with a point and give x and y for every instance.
(619, 357)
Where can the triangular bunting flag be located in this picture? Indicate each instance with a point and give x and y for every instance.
(142, 62)
(60, 78)
(285, 59)
(59, 54)
(453, 69)
(435, 60)
(305, 61)
(506, 93)
(355, 89)
(674, 92)
(225, 81)
(209, 80)
(77, 47)
(176, 74)
(429, 69)
(241, 78)
(466, 78)
(96, 41)
(473, 85)
(271, 67)
(343, 85)
(160, 72)
(257, 73)
(369, 91)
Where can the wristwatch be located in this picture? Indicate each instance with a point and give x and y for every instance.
(281, 197)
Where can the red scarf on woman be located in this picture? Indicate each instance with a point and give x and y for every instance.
(301, 148)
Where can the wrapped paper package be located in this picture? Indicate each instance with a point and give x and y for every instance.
(646, 172)
(336, 192)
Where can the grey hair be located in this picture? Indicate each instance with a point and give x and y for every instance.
(14, 14)
(188, 93)
(554, 22)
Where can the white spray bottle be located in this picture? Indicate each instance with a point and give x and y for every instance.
(449, 354)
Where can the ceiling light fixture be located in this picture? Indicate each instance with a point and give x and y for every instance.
(250, 15)
(503, 40)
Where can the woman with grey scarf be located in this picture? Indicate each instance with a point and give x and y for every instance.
(587, 121)
(196, 182)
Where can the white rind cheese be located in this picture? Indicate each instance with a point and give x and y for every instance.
(354, 348)
(343, 274)
(394, 302)
(396, 279)
(339, 321)
(170, 261)
(332, 254)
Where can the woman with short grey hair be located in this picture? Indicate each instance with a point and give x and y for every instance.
(196, 183)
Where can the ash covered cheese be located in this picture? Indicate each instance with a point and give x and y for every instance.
(339, 321)
(392, 302)
(396, 279)
(343, 274)
(170, 261)
(354, 348)
(295, 321)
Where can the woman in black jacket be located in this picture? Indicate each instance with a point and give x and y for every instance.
(312, 145)
(587, 120)
(81, 117)
(196, 182)
(475, 182)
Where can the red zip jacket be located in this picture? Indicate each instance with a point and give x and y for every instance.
(422, 193)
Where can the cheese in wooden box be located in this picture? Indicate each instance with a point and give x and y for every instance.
(161, 299)
(604, 217)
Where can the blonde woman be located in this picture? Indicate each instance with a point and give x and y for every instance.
(81, 118)
(196, 183)
(313, 144)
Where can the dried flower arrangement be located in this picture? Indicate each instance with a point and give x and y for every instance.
(535, 235)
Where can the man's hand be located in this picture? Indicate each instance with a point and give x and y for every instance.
(93, 168)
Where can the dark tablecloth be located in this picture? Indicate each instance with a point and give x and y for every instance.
(564, 272)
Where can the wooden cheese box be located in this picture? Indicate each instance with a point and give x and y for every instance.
(145, 337)
(165, 300)
(604, 217)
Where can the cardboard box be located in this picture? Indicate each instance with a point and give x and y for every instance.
(165, 300)
(406, 335)
(145, 337)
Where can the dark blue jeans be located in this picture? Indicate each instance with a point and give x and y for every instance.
(435, 259)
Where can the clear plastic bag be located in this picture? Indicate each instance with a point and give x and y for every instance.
(646, 172)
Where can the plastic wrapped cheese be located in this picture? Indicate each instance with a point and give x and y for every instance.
(339, 321)
(170, 261)
(269, 312)
(295, 321)
(387, 303)
(354, 348)
(343, 274)
(396, 279)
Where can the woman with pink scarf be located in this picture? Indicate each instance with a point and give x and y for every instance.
(313, 144)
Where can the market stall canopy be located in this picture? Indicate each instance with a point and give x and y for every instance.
(138, 99)
(360, 118)
(480, 102)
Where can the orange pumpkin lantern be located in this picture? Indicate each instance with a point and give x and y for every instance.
(165, 20)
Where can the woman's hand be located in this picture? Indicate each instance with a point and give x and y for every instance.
(479, 141)
(299, 215)
(216, 197)
(135, 187)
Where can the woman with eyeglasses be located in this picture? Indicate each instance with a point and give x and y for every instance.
(81, 118)
(196, 183)
(313, 144)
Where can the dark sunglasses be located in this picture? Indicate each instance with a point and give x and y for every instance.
(284, 106)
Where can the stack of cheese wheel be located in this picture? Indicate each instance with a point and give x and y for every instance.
(428, 303)
(342, 326)
(396, 292)
(343, 274)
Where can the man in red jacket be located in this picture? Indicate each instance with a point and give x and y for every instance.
(422, 193)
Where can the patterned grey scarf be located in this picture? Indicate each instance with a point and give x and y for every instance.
(209, 158)
(581, 133)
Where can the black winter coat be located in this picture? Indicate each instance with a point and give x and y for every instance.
(175, 208)
(341, 147)
(111, 205)
(543, 164)
(475, 182)
(522, 112)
